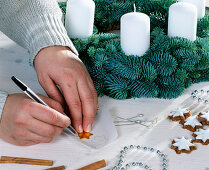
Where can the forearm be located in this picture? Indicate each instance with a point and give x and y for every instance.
(3, 97)
(34, 24)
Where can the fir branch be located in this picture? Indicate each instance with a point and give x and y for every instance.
(203, 63)
(158, 20)
(116, 87)
(157, 31)
(203, 43)
(125, 66)
(99, 86)
(194, 75)
(187, 59)
(176, 43)
(170, 87)
(164, 63)
(149, 73)
(143, 89)
(181, 74)
(203, 26)
(160, 43)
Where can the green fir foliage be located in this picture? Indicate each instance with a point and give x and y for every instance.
(167, 68)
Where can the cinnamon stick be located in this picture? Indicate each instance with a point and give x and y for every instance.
(95, 165)
(26, 161)
(57, 168)
(7, 161)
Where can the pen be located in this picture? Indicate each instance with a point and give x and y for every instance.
(36, 98)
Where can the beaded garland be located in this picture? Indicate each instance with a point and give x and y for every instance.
(126, 149)
(196, 94)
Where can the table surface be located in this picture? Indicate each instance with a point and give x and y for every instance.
(64, 150)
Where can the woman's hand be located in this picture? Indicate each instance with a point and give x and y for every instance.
(58, 66)
(25, 122)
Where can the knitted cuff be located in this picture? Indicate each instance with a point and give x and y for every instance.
(49, 31)
(3, 97)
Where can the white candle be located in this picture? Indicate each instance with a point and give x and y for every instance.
(79, 21)
(135, 33)
(200, 4)
(182, 21)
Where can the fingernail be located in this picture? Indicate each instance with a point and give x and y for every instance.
(88, 128)
(80, 129)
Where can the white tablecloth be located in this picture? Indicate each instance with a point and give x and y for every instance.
(64, 150)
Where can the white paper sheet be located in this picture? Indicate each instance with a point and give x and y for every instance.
(103, 131)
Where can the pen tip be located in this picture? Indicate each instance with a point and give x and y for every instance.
(13, 77)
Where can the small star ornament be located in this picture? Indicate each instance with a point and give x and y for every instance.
(85, 135)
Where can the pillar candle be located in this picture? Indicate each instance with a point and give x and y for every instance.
(182, 21)
(200, 4)
(80, 18)
(135, 33)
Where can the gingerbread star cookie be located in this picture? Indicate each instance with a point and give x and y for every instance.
(191, 123)
(182, 145)
(201, 136)
(179, 114)
(203, 117)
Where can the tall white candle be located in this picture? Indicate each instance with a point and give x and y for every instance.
(135, 33)
(79, 21)
(200, 4)
(182, 21)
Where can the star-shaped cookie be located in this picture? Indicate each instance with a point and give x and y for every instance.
(183, 145)
(191, 123)
(203, 117)
(179, 114)
(201, 136)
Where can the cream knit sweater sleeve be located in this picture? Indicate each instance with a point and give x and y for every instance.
(33, 24)
(3, 97)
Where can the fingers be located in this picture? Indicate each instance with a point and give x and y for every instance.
(91, 86)
(38, 139)
(88, 104)
(26, 137)
(43, 129)
(52, 103)
(52, 90)
(24, 143)
(73, 100)
(81, 98)
(16, 141)
(26, 122)
(94, 93)
(49, 115)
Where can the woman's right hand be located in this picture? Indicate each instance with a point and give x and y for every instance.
(25, 122)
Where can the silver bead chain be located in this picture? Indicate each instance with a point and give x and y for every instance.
(121, 163)
(198, 95)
